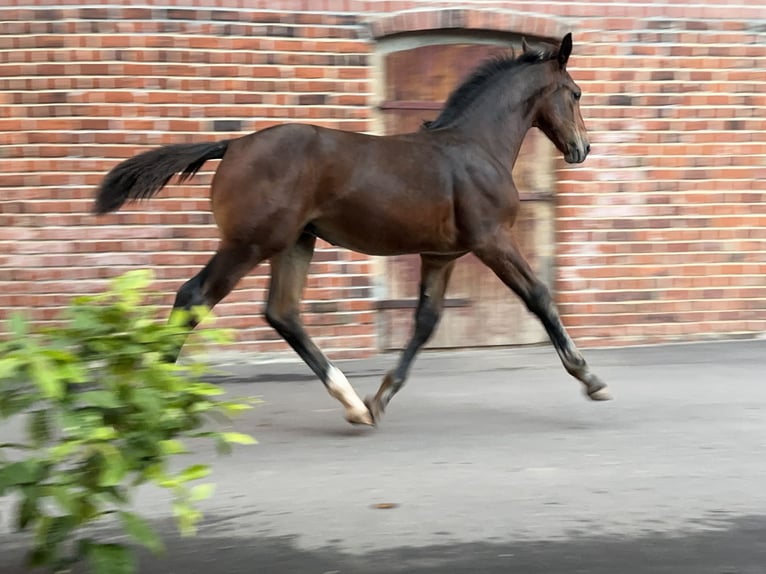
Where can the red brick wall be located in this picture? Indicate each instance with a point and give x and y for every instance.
(661, 234)
(85, 87)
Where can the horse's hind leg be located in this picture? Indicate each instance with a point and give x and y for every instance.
(502, 255)
(434, 276)
(288, 278)
(230, 263)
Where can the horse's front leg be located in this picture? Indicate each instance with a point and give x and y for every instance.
(501, 254)
(434, 276)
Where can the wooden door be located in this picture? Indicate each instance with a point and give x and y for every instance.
(481, 311)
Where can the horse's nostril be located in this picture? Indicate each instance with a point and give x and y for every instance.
(587, 148)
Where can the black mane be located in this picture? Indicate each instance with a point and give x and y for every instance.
(462, 97)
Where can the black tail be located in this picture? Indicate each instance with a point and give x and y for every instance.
(144, 175)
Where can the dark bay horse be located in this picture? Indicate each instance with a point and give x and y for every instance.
(441, 192)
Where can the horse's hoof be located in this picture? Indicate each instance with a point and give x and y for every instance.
(362, 415)
(600, 394)
(360, 418)
(375, 407)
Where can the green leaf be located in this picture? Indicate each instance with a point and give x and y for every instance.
(18, 326)
(179, 318)
(218, 336)
(155, 472)
(187, 517)
(172, 446)
(113, 469)
(22, 472)
(100, 399)
(194, 472)
(206, 389)
(64, 498)
(64, 449)
(238, 438)
(41, 532)
(28, 512)
(136, 280)
(141, 532)
(235, 408)
(60, 357)
(110, 559)
(103, 434)
(73, 372)
(200, 492)
(169, 483)
(46, 378)
(59, 529)
(149, 401)
(9, 366)
(201, 313)
(79, 422)
(201, 406)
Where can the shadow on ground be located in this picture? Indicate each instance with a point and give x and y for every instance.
(734, 547)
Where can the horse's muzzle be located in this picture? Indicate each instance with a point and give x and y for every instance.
(577, 152)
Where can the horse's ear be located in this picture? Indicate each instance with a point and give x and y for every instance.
(565, 50)
(524, 46)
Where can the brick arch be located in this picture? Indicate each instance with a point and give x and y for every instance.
(538, 25)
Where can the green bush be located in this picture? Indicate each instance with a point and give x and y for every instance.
(103, 413)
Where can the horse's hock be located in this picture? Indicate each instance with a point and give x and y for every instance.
(660, 235)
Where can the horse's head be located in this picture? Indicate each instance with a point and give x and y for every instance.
(558, 112)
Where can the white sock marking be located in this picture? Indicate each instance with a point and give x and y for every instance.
(339, 388)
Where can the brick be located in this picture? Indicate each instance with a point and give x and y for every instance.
(660, 234)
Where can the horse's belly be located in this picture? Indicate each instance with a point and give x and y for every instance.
(385, 233)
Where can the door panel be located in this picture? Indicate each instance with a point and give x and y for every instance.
(481, 311)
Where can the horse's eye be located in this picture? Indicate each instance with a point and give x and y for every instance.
(577, 96)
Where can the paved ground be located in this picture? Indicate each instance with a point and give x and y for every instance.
(494, 462)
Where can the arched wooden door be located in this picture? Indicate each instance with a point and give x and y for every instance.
(481, 311)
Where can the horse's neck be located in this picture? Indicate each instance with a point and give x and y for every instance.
(502, 121)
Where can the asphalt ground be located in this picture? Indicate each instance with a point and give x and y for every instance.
(487, 462)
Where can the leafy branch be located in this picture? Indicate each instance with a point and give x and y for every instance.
(103, 414)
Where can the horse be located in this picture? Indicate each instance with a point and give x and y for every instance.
(441, 192)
